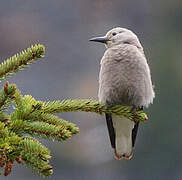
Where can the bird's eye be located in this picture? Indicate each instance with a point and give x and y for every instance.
(114, 33)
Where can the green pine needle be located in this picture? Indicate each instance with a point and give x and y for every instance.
(19, 61)
(36, 155)
(88, 105)
(48, 131)
(57, 121)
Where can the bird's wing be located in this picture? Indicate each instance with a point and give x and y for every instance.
(111, 130)
(134, 133)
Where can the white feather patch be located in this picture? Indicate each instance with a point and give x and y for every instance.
(123, 130)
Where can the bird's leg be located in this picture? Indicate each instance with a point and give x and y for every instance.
(140, 108)
(134, 109)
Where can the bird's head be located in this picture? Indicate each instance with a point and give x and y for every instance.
(118, 36)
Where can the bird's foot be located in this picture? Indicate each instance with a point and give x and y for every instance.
(137, 110)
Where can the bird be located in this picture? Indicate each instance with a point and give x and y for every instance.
(124, 79)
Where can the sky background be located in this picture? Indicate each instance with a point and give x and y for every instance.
(70, 70)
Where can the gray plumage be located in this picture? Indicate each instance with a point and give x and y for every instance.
(124, 79)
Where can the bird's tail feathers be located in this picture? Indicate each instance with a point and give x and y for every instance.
(123, 132)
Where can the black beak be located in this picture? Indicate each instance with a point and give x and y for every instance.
(100, 39)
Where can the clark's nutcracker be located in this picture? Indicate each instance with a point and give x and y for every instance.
(124, 79)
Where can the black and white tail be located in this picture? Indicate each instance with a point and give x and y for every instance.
(122, 133)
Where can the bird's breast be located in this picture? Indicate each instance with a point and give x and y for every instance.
(125, 80)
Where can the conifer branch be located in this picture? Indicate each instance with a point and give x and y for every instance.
(6, 95)
(48, 131)
(28, 118)
(88, 105)
(57, 121)
(35, 155)
(19, 61)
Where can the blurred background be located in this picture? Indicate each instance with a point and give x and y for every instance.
(70, 70)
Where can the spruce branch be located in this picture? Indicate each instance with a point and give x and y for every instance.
(48, 131)
(35, 155)
(28, 118)
(6, 95)
(57, 121)
(19, 61)
(88, 105)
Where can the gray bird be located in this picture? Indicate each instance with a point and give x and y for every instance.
(124, 79)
